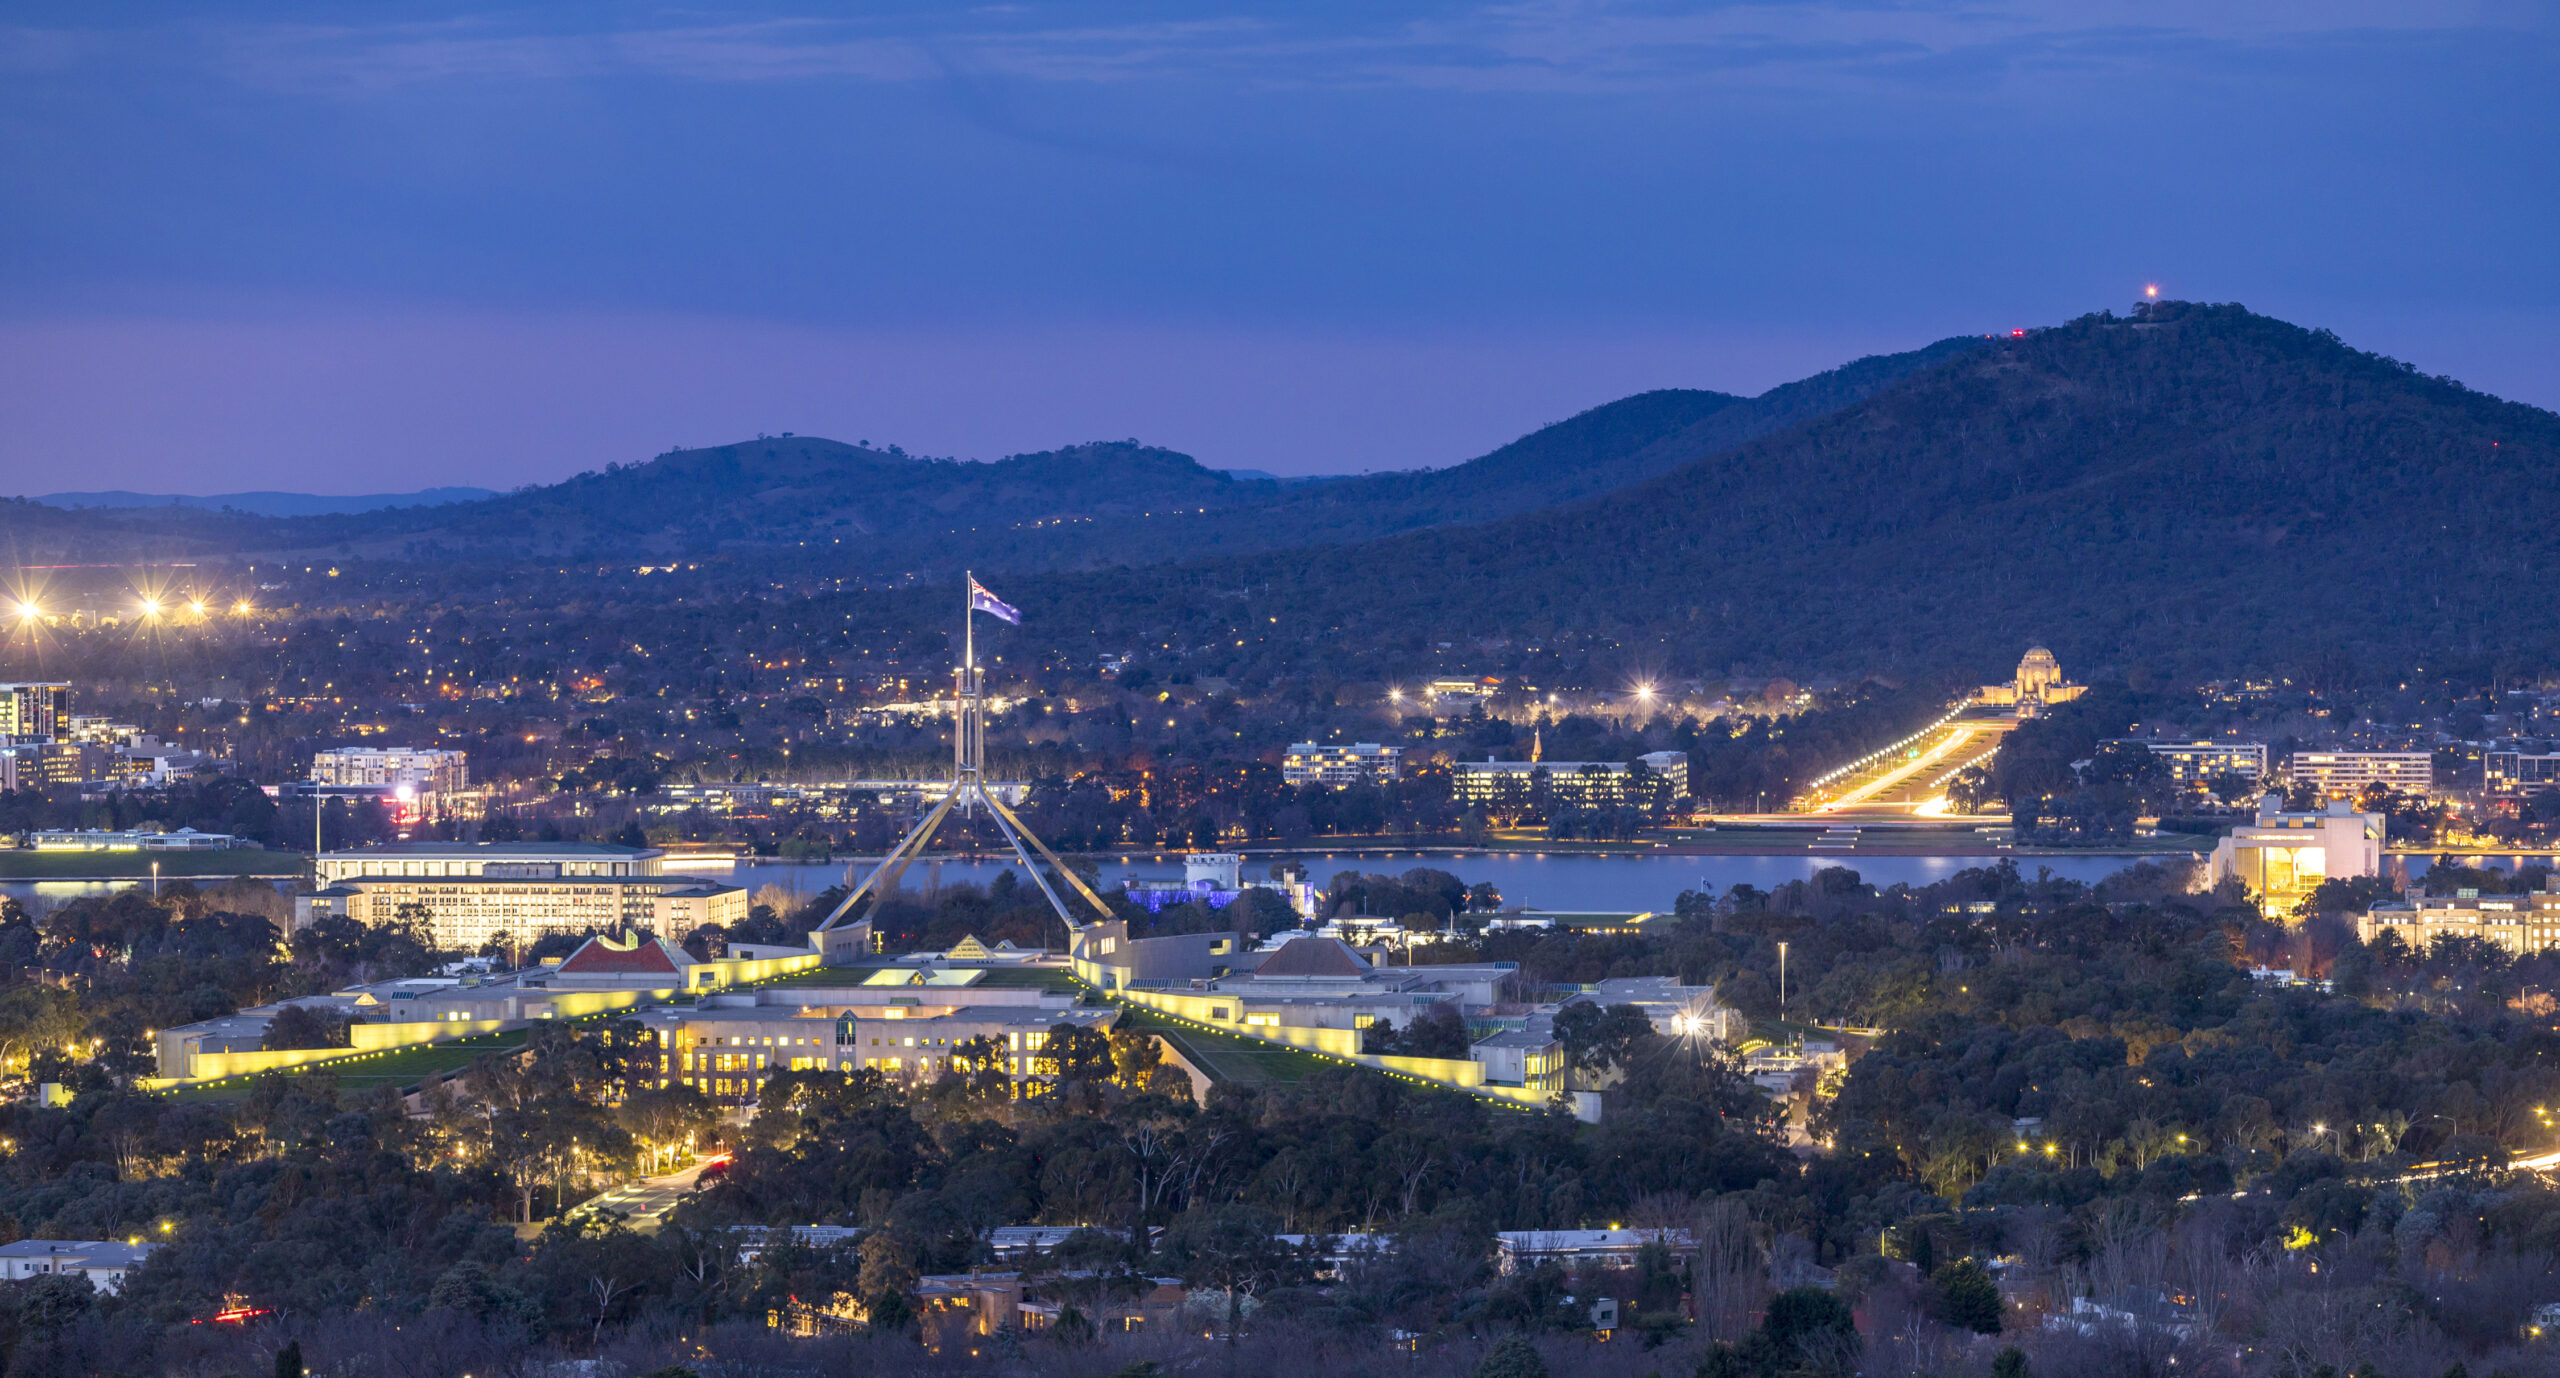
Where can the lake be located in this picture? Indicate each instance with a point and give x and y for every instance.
(1551, 881)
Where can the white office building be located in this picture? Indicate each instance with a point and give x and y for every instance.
(1362, 763)
(2199, 763)
(2286, 855)
(2338, 774)
(427, 771)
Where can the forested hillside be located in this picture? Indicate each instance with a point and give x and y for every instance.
(2198, 490)
(825, 509)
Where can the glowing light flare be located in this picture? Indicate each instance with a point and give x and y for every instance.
(2152, 292)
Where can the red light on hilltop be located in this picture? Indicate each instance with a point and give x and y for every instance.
(233, 1315)
(2017, 334)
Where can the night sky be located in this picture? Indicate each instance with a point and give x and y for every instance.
(371, 247)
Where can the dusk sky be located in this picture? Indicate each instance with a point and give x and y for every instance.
(353, 248)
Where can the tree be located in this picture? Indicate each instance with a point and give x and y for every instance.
(301, 1026)
(1963, 1295)
(1598, 1040)
(2010, 1362)
(1077, 1056)
(1230, 1248)
(1512, 1357)
(1804, 1318)
(289, 1360)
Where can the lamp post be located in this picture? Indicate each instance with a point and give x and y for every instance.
(1782, 980)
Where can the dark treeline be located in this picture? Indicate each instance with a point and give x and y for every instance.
(2077, 1089)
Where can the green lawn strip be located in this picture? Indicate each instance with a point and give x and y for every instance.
(1228, 1056)
(401, 1067)
(1057, 979)
(209, 865)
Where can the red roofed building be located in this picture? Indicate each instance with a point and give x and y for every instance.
(626, 959)
(1312, 959)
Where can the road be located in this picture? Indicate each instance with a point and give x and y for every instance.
(646, 1202)
(1916, 784)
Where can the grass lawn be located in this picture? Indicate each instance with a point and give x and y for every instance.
(360, 1076)
(1228, 1057)
(19, 864)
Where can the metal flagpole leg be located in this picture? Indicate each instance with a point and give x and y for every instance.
(1032, 866)
(896, 857)
(996, 806)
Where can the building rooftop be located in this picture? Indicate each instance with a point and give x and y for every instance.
(1313, 958)
(97, 1253)
(509, 850)
(628, 954)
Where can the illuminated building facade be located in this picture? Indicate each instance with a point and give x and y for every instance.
(2342, 774)
(34, 712)
(2517, 924)
(2285, 856)
(2038, 685)
(1572, 784)
(428, 771)
(2198, 763)
(473, 893)
(1362, 763)
(2518, 773)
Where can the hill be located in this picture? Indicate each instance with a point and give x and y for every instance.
(271, 504)
(2195, 490)
(823, 508)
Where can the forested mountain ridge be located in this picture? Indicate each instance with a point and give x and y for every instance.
(2197, 489)
(826, 507)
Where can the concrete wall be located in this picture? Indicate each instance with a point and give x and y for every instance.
(1107, 958)
(178, 1066)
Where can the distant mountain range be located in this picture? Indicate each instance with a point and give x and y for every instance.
(273, 504)
(818, 504)
(2195, 490)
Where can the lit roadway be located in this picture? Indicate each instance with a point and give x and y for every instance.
(1918, 784)
(647, 1201)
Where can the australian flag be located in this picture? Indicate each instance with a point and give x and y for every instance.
(982, 601)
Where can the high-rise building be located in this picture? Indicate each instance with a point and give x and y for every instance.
(34, 711)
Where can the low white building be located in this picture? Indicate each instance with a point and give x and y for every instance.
(1517, 1249)
(2285, 856)
(129, 840)
(428, 770)
(103, 1262)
